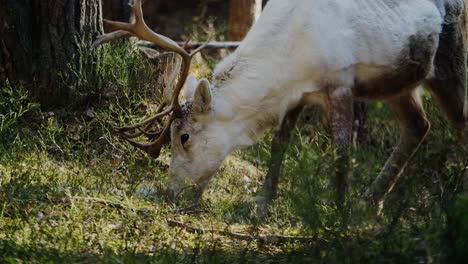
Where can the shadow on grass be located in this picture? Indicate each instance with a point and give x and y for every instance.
(12, 252)
(340, 251)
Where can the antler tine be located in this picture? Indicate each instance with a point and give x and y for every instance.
(153, 148)
(146, 131)
(106, 38)
(139, 29)
(148, 121)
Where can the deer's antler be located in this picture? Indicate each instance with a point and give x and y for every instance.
(139, 29)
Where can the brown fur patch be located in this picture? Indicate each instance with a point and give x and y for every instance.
(265, 121)
(415, 64)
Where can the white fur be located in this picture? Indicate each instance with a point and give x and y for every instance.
(190, 84)
(296, 49)
(299, 45)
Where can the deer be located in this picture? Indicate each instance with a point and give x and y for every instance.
(329, 53)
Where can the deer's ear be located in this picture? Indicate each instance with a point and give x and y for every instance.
(190, 85)
(202, 97)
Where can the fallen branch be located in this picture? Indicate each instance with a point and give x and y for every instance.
(213, 45)
(265, 239)
(192, 209)
(196, 45)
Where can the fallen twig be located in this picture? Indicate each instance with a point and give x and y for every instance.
(192, 209)
(104, 202)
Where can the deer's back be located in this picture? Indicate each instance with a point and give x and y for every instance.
(373, 32)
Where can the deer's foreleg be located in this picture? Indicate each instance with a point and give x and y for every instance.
(341, 116)
(413, 129)
(279, 145)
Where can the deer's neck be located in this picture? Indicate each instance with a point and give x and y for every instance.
(254, 87)
(251, 98)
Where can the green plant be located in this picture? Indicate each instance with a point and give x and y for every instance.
(15, 108)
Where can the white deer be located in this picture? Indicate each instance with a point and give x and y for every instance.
(324, 52)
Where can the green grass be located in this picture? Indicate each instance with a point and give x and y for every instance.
(72, 192)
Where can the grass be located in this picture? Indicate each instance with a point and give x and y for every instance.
(72, 192)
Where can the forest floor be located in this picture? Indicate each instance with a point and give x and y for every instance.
(70, 191)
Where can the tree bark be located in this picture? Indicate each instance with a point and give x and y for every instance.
(60, 29)
(15, 40)
(242, 15)
(42, 43)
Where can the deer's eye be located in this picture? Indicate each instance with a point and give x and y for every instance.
(184, 138)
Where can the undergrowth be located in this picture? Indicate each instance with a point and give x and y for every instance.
(70, 191)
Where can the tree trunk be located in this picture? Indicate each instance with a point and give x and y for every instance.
(166, 67)
(43, 40)
(15, 41)
(242, 15)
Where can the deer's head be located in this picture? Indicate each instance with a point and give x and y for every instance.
(199, 140)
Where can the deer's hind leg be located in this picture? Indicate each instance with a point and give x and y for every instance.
(413, 129)
(450, 94)
(449, 81)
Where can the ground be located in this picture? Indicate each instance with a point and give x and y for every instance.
(71, 191)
